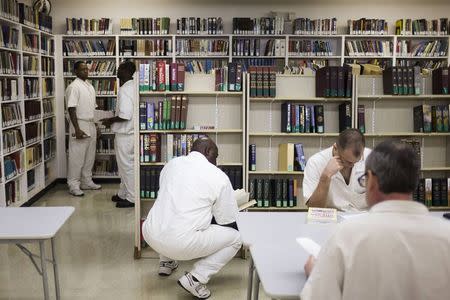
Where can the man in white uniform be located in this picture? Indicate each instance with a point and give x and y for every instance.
(330, 178)
(80, 97)
(396, 251)
(122, 125)
(193, 191)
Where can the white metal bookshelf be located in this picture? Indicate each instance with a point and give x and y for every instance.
(44, 170)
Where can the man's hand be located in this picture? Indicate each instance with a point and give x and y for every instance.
(106, 122)
(80, 134)
(333, 166)
(309, 265)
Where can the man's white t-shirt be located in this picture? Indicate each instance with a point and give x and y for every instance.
(343, 196)
(81, 95)
(124, 109)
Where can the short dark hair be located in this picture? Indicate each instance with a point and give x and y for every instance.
(128, 66)
(396, 166)
(351, 139)
(77, 64)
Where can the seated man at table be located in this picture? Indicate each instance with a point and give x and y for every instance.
(193, 192)
(331, 176)
(396, 251)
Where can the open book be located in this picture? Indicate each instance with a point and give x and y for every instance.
(247, 205)
(242, 199)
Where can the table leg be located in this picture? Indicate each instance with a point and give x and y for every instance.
(250, 279)
(256, 287)
(44, 270)
(55, 270)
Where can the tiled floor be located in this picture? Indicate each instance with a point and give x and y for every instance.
(95, 254)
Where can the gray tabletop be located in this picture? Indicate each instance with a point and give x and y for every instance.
(32, 223)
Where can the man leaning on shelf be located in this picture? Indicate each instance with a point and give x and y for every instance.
(193, 192)
(396, 251)
(83, 132)
(331, 176)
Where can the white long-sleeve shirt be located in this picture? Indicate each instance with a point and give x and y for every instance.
(191, 192)
(397, 251)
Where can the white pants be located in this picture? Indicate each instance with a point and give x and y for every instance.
(216, 246)
(81, 155)
(124, 147)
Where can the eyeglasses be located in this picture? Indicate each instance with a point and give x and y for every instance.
(362, 180)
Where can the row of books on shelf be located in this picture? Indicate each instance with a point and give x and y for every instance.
(263, 26)
(202, 47)
(367, 26)
(32, 110)
(30, 65)
(300, 118)
(49, 148)
(145, 47)
(200, 26)
(30, 42)
(11, 114)
(95, 67)
(105, 144)
(291, 157)
(368, 48)
(262, 81)
(89, 47)
(310, 48)
(101, 86)
(170, 113)
(12, 192)
(47, 66)
(47, 45)
(33, 132)
(440, 81)
(151, 26)
(106, 104)
(149, 181)
(274, 192)
(47, 105)
(9, 63)
(431, 118)
(31, 88)
(335, 82)
(234, 173)
(48, 87)
(49, 127)
(34, 155)
(31, 180)
(105, 166)
(402, 81)
(20, 12)
(12, 140)
(437, 48)
(9, 37)
(8, 89)
(306, 26)
(253, 47)
(12, 164)
(421, 27)
(433, 191)
(161, 76)
(77, 26)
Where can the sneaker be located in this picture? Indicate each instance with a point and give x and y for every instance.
(90, 186)
(124, 204)
(193, 286)
(116, 198)
(167, 267)
(76, 192)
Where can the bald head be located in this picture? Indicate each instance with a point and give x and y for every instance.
(207, 147)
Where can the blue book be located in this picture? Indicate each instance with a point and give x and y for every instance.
(299, 160)
(307, 119)
(252, 158)
(297, 118)
(150, 116)
(313, 119)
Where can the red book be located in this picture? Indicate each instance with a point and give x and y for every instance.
(173, 76)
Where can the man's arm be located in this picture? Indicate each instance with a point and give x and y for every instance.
(225, 208)
(319, 197)
(107, 122)
(79, 134)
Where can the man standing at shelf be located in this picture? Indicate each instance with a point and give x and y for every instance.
(81, 104)
(194, 192)
(123, 126)
(331, 176)
(397, 251)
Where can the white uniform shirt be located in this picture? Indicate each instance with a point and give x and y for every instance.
(125, 109)
(81, 95)
(191, 192)
(343, 196)
(397, 251)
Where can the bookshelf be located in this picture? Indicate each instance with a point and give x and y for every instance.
(27, 123)
(225, 111)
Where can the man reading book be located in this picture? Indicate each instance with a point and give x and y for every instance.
(396, 251)
(331, 176)
(192, 192)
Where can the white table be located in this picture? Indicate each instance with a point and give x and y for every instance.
(276, 256)
(35, 225)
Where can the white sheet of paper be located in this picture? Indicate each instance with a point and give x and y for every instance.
(309, 245)
(350, 216)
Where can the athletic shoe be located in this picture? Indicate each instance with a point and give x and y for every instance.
(90, 186)
(116, 198)
(76, 192)
(193, 286)
(124, 204)
(167, 267)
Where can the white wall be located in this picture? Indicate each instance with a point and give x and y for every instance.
(342, 9)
